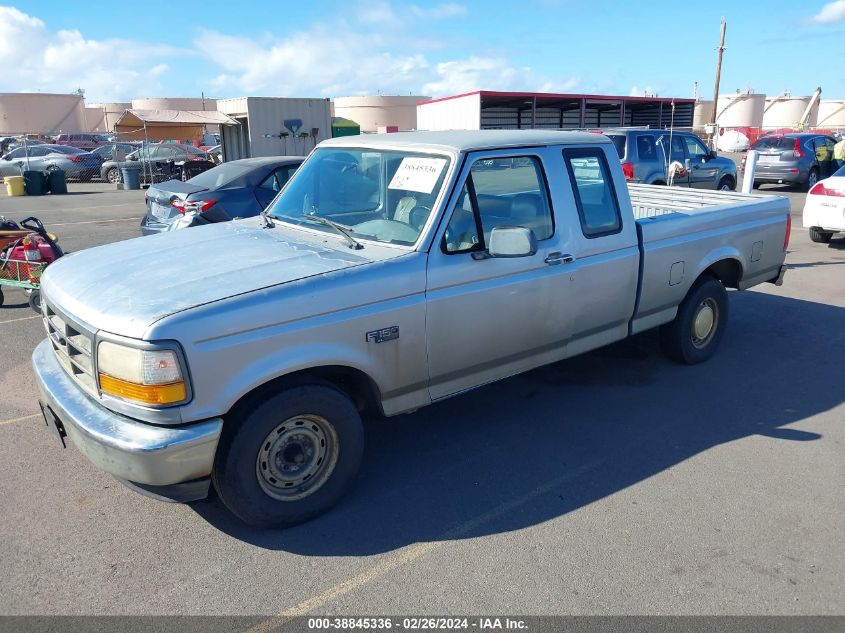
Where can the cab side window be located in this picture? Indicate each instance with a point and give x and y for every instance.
(500, 192)
(595, 198)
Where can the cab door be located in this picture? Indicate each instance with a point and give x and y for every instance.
(703, 172)
(675, 154)
(487, 317)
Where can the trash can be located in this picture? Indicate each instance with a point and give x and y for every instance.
(57, 181)
(35, 183)
(131, 177)
(14, 185)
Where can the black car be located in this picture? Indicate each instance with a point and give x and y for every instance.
(237, 189)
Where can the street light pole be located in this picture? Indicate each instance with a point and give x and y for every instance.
(720, 50)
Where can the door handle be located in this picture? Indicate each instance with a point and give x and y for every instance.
(553, 259)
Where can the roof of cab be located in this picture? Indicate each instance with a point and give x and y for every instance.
(468, 140)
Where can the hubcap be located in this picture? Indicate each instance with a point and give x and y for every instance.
(297, 457)
(113, 175)
(705, 323)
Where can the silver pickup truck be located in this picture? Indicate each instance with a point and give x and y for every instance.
(392, 271)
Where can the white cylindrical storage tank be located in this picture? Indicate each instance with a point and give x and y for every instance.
(786, 112)
(744, 109)
(702, 114)
(831, 114)
(41, 113)
(374, 112)
(108, 114)
(174, 103)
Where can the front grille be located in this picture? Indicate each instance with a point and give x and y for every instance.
(73, 346)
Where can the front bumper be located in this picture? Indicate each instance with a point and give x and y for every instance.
(128, 449)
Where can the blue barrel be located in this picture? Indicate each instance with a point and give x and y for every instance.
(35, 183)
(57, 181)
(131, 177)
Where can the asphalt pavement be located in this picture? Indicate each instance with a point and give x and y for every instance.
(613, 483)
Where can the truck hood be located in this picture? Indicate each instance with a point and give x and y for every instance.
(125, 287)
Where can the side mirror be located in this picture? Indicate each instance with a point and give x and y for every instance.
(512, 241)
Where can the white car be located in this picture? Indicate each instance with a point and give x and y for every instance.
(824, 209)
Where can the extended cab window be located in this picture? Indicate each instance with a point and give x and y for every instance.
(595, 198)
(500, 192)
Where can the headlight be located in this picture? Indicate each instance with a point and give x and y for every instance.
(144, 376)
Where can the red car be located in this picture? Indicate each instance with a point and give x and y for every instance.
(87, 142)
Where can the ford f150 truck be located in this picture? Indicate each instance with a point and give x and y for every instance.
(391, 272)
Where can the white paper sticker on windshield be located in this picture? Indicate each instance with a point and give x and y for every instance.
(417, 174)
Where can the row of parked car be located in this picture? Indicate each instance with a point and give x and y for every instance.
(105, 161)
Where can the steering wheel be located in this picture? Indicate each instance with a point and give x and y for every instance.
(388, 230)
(418, 215)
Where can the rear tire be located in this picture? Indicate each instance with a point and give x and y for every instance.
(818, 236)
(812, 179)
(289, 457)
(697, 330)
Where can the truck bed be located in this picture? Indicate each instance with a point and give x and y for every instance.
(682, 232)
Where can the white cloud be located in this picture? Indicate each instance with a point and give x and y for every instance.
(377, 13)
(831, 12)
(489, 73)
(648, 91)
(35, 58)
(439, 12)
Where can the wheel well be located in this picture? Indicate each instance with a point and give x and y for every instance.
(728, 177)
(353, 382)
(728, 271)
(659, 182)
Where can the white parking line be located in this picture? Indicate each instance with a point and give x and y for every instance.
(26, 417)
(97, 221)
(37, 316)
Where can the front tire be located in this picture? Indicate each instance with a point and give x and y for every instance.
(113, 175)
(290, 457)
(818, 236)
(35, 301)
(726, 184)
(697, 330)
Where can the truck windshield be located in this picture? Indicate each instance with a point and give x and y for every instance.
(385, 196)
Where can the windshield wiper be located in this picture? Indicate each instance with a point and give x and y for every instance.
(353, 243)
(267, 222)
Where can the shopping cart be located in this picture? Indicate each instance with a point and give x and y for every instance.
(25, 250)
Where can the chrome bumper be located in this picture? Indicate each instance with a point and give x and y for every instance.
(131, 450)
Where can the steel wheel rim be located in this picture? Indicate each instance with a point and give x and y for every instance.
(705, 322)
(297, 457)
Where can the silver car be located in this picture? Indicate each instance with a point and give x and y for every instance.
(76, 163)
(794, 159)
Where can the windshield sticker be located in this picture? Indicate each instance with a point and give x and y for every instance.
(417, 174)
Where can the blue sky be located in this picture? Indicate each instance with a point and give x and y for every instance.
(324, 48)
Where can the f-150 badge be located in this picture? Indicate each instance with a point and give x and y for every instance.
(383, 335)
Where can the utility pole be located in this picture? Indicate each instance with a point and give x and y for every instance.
(720, 50)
